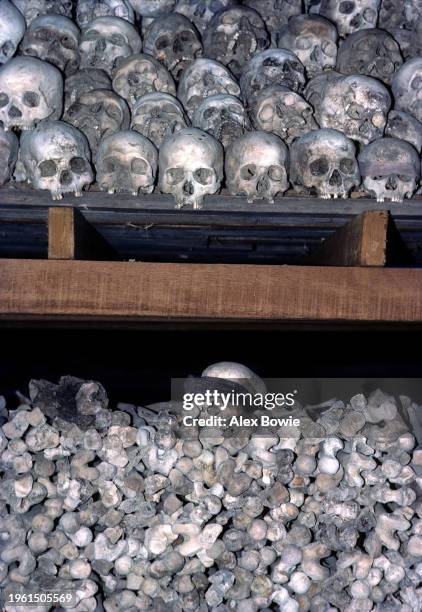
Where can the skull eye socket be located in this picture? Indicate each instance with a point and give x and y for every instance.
(276, 173)
(347, 166)
(47, 168)
(42, 34)
(118, 40)
(31, 99)
(209, 113)
(113, 112)
(405, 178)
(329, 48)
(266, 113)
(78, 165)
(4, 99)
(248, 172)
(186, 36)
(204, 176)
(175, 175)
(68, 42)
(416, 83)
(346, 8)
(91, 35)
(319, 166)
(162, 43)
(139, 166)
(303, 43)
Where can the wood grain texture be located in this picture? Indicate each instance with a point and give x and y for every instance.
(186, 292)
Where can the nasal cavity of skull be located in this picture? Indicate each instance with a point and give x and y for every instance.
(335, 178)
(133, 79)
(47, 168)
(355, 111)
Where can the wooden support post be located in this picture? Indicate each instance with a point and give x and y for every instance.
(70, 236)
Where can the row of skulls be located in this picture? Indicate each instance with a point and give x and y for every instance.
(247, 100)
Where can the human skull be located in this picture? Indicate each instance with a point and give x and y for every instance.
(256, 166)
(174, 41)
(55, 39)
(9, 146)
(390, 169)
(402, 14)
(30, 90)
(158, 115)
(351, 15)
(98, 113)
(234, 35)
(403, 126)
(106, 41)
(407, 88)
(204, 78)
(272, 67)
(357, 106)
(200, 12)
(126, 162)
(313, 39)
(31, 9)
(409, 41)
(275, 13)
(191, 166)
(314, 90)
(139, 75)
(83, 81)
(371, 52)
(282, 112)
(55, 156)
(324, 162)
(88, 10)
(153, 8)
(223, 116)
(12, 30)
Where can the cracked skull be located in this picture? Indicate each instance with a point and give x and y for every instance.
(99, 113)
(126, 162)
(191, 166)
(55, 39)
(55, 156)
(275, 13)
(390, 169)
(31, 9)
(200, 12)
(407, 88)
(139, 75)
(30, 90)
(282, 112)
(313, 39)
(106, 41)
(351, 15)
(9, 146)
(88, 10)
(256, 166)
(158, 115)
(174, 41)
(223, 116)
(234, 35)
(356, 105)
(12, 30)
(324, 162)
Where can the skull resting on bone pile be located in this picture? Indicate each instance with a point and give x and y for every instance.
(407, 88)
(390, 169)
(9, 146)
(174, 41)
(98, 113)
(204, 78)
(403, 126)
(323, 162)
(83, 81)
(313, 39)
(31, 9)
(139, 75)
(351, 15)
(357, 106)
(30, 90)
(234, 35)
(371, 52)
(153, 8)
(190, 166)
(272, 67)
(223, 116)
(314, 90)
(106, 41)
(282, 112)
(126, 162)
(88, 10)
(275, 13)
(158, 115)
(200, 12)
(256, 166)
(55, 39)
(55, 156)
(12, 30)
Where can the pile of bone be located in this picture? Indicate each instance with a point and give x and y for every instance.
(118, 508)
(192, 96)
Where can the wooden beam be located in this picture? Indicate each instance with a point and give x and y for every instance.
(89, 291)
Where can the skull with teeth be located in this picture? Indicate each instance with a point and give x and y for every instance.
(282, 112)
(88, 10)
(9, 146)
(191, 166)
(324, 162)
(351, 15)
(12, 30)
(126, 162)
(31, 9)
(139, 75)
(372, 52)
(55, 39)
(390, 169)
(153, 8)
(275, 13)
(314, 90)
(106, 41)
(174, 41)
(313, 39)
(99, 113)
(158, 115)
(83, 81)
(356, 105)
(234, 35)
(55, 156)
(256, 166)
(204, 78)
(223, 116)
(30, 90)
(407, 88)
(272, 67)
(403, 126)
(200, 12)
